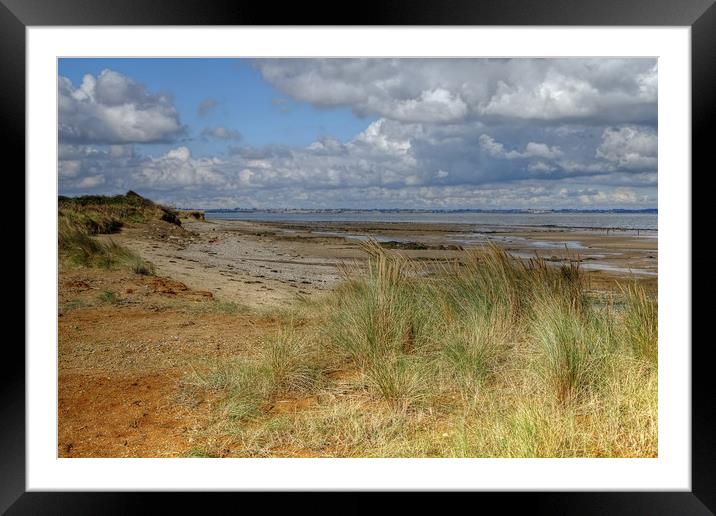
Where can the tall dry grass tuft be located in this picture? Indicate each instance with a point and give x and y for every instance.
(641, 323)
(570, 349)
(290, 363)
(491, 278)
(378, 324)
(474, 348)
(374, 316)
(399, 379)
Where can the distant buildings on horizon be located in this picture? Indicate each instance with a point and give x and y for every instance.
(417, 210)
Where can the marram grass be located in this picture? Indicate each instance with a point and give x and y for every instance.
(78, 245)
(490, 356)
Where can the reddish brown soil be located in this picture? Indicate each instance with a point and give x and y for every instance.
(121, 363)
(130, 416)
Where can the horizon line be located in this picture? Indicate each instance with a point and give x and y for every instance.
(421, 209)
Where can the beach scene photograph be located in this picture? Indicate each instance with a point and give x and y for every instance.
(357, 257)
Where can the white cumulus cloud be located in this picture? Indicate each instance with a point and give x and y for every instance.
(452, 90)
(629, 147)
(113, 108)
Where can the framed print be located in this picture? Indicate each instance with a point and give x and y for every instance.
(421, 249)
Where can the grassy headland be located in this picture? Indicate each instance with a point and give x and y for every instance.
(80, 219)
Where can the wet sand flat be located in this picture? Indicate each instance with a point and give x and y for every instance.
(261, 264)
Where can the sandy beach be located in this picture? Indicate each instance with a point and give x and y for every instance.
(261, 264)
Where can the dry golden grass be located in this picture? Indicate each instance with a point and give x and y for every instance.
(492, 357)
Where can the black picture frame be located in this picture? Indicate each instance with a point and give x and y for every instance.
(700, 15)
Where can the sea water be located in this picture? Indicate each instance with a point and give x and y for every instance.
(599, 220)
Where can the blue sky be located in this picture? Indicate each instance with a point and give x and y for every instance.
(418, 133)
(245, 102)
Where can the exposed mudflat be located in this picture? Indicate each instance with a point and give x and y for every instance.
(265, 264)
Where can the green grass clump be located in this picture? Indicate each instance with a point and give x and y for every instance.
(142, 267)
(86, 251)
(109, 297)
(375, 317)
(72, 304)
(77, 244)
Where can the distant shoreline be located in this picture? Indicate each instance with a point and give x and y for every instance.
(468, 221)
(412, 210)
